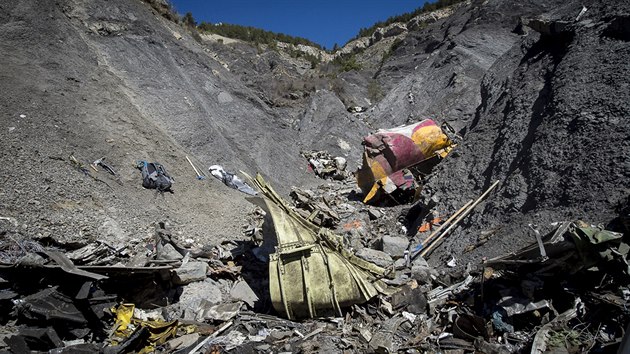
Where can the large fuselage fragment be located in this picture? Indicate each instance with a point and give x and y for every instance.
(390, 151)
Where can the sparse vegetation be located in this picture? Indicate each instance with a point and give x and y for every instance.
(188, 20)
(374, 91)
(428, 7)
(347, 62)
(195, 34)
(253, 35)
(391, 50)
(165, 9)
(296, 53)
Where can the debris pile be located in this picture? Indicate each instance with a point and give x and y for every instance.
(326, 166)
(323, 273)
(504, 305)
(316, 209)
(361, 288)
(98, 298)
(315, 257)
(79, 272)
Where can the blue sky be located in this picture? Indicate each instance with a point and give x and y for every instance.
(322, 21)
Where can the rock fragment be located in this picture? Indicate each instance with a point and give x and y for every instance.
(374, 214)
(182, 342)
(242, 291)
(190, 272)
(169, 252)
(379, 258)
(395, 246)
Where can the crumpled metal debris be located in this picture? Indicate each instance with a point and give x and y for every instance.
(315, 210)
(573, 246)
(138, 335)
(566, 292)
(591, 263)
(231, 180)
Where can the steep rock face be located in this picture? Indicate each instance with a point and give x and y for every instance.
(392, 30)
(543, 114)
(115, 79)
(423, 19)
(309, 105)
(186, 93)
(552, 128)
(326, 125)
(436, 72)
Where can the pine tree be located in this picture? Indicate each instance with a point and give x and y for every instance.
(188, 20)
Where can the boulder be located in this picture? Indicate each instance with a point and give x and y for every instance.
(423, 274)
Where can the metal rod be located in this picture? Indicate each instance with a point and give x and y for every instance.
(460, 218)
(432, 235)
(193, 166)
(213, 335)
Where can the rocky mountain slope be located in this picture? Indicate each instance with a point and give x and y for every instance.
(116, 79)
(547, 103)
(119, 80)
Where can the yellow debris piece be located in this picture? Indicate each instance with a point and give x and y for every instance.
(311, 274)
(126, 325)
(123, 313)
